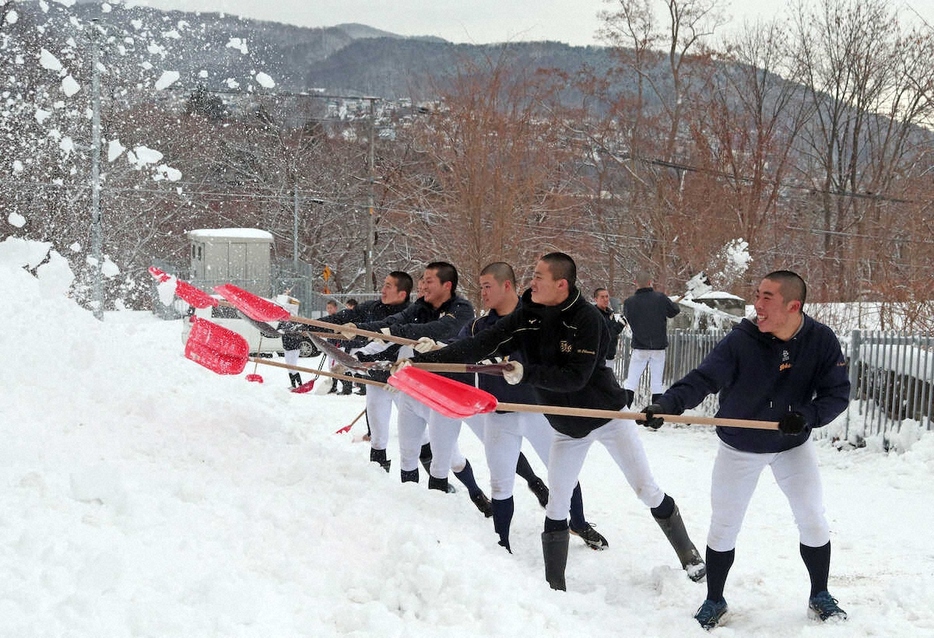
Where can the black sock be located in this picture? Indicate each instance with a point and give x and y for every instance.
(502, 517)
(817, 561)
(577, 508)
(524, 470)
(664, 509)
(551, 525)
(466, 477)
(718, 567)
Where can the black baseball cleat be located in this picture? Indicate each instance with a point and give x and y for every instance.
(483, 504)
(824, 607)
(540, 490)
(710, 613)
(592, 537)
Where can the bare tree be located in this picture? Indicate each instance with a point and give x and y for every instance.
(485, 176)
(870, 85)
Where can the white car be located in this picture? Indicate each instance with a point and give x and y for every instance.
(229, 318)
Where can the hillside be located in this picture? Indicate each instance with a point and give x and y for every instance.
(224, 52)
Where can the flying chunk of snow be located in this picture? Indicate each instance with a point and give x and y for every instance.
(232, 84)
(17, 220)
(167, 172)
(264, 80)
(17, 167)
(202, 73)
(70, 86)
(237, 43)
(109, 269)
(142, 155)
(42, 115)
(12, 17)
(48, 61)
(114, 150)
(168, 79)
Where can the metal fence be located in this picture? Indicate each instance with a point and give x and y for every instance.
(891, 373)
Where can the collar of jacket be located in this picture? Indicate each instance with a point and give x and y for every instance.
(749, 327)
(574, 296)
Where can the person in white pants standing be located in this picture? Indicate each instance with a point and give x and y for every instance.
(647, 312)
(783, 367)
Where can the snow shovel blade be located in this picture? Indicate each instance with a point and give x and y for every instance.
(252, 305)
(265, 329)
(216, 348)
(451, 398)
(347, 360)
(184, 290)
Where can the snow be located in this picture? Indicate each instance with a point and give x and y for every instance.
(143, 155)
(70, 86)
(167, 79)
(232, 233)
(47, 60)
(147, 496)
(114, 150)
(239, 44)
(17, 220)
(265, 80)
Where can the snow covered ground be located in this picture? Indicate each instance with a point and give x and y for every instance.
(143, 495)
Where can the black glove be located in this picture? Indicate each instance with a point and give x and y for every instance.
(792, 423)
(652, 420)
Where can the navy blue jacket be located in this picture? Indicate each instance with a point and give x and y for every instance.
(615, 327)
(762, 377)
(496, 385)
(422, 320)
(564, 353)
(647, 312)
(374, 310)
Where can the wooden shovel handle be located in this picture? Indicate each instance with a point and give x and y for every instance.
(490, 368)
(333, 375)
(613, 414)
(338, 328)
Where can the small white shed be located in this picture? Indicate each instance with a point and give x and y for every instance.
(240, 256)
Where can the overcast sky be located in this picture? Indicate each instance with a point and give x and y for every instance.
(476, 21)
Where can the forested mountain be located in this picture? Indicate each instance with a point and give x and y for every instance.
(210, 48)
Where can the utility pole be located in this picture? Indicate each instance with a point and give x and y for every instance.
(96, 232)
(295, 230)
(371, 204)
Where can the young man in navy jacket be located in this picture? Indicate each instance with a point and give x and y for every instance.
(784, 367)
(562, 339)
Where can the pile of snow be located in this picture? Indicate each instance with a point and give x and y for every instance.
(146, 496)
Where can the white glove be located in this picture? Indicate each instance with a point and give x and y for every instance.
(348, 331)
(384, 331)
(513, 373)
(398, 365)
(425, 344)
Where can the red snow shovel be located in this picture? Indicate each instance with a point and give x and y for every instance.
(184, 290)
(264, 310)
(451, 398)
(216, 348)
(458, 401)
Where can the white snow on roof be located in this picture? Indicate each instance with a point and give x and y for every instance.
(229, 233)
